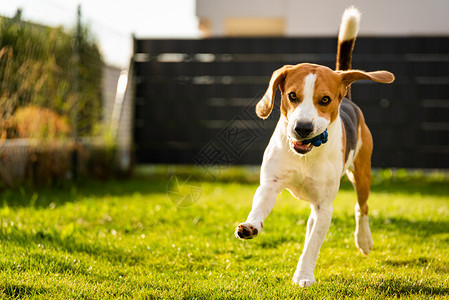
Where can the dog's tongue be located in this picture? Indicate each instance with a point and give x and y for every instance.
(301, 146)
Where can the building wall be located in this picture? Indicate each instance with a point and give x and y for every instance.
(109, 89)
(321, 18)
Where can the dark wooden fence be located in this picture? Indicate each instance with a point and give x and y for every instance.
(195, 98)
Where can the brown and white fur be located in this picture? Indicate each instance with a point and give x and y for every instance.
(315, 98)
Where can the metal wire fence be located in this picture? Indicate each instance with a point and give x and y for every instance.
(56, 103)
(50, 81)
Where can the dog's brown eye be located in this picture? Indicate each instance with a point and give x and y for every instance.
(292, 97)
(325, 100)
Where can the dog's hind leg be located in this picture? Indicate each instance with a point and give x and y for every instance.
(361, 178)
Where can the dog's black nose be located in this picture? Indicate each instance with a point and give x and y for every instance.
(304, 129)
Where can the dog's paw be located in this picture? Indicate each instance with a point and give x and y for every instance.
(364, 242)
(303, 282)
(363, 238)
(246, 231)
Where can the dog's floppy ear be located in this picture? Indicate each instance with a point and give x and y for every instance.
(348, 77)
(265, 105)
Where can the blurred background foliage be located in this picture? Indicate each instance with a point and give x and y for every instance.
(51, 101)
(50, 77)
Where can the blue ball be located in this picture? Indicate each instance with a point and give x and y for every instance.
(317, 143)
(318, 140)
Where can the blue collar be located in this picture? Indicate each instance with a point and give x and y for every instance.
(318, 140)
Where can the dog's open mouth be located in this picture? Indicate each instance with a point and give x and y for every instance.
(303, 147)
(300, 146)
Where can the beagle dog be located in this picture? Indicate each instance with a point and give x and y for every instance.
(320, 136)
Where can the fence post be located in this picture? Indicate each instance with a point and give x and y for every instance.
(76, 87)
(76, 90)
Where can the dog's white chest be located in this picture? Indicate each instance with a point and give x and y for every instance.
(305, 176)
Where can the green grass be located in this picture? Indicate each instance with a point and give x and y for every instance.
(127, 239)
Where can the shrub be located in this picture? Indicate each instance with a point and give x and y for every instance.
(37, 122)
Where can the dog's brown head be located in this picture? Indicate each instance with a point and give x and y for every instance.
(311, 96)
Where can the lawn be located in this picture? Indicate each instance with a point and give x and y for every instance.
(129, 239)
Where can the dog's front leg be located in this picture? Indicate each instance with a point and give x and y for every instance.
(263, 203)
(317, 227)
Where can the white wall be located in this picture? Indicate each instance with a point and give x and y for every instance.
(321, 18)
(218, 10)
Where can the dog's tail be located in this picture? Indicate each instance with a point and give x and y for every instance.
(349, 28)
